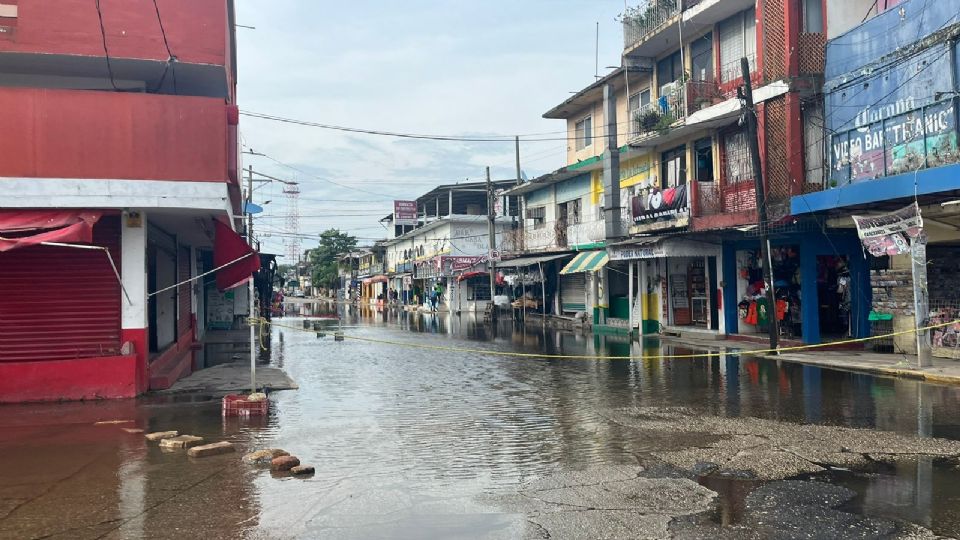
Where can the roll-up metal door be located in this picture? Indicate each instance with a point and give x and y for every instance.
(61, 303)
(573, 292)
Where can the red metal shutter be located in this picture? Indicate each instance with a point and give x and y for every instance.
(60, 303)
(184, 301)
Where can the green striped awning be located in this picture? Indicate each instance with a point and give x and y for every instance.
(588, 261)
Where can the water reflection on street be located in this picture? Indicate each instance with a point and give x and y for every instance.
(406, 440)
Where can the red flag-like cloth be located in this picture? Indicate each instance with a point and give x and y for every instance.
(21, 228)
(229, 246)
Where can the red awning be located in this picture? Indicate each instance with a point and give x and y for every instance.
(468, 275)
(238, 259)
(21, 228)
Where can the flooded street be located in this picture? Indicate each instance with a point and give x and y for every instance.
(424, 443)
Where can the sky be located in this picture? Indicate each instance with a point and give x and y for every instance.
(417, 66)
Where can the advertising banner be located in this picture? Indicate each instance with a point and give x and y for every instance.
(404, 212)
(659, 203)
(888, 234)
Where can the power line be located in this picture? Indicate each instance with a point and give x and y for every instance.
(106, 53)
(171, 59)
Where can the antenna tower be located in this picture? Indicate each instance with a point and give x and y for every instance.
(292, 242)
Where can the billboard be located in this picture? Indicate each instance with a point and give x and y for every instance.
(659, 203)
(405, 212)
(888, 234)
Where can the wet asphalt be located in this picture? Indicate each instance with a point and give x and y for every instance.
(423, 443)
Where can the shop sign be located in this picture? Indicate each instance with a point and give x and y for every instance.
(404, 212)
(653, 251)
(659, 203)
(462, 263)
(888, 234)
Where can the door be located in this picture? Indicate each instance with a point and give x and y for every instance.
(573, 293)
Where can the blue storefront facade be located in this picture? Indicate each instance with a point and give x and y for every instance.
(890, 131)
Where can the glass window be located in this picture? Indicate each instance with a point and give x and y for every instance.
(701, 58)
(584, 133)
(673, 167)
(634, 104)
(738, 38)
(668, 70)
(703, 150)
(813, 16)
(736, 153)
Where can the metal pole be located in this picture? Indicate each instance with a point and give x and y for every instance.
(751, 118)
(491, 227)
(252, 289)
(630, 299)
(543, 294)
(517, 149)
(921, 301)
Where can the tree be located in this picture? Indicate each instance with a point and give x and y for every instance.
(323, 258)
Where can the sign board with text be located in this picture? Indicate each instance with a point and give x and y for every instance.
(888, 234)
(404, 212)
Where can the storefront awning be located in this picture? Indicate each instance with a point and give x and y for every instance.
(22, 228)
(588, 261)
(658, 247)
(376, 279)
(467, 275)
(233, 258)
(528, 261)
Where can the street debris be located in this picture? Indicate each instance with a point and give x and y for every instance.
(263, 457)
(284, 463)
(181, 442)
(160, 435)
(217, 448)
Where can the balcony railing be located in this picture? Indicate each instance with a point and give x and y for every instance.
(716, 198)
(678, 101)
(647, 18)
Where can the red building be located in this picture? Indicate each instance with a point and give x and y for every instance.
(119, 133)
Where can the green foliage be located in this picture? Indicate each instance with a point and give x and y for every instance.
(323, 259)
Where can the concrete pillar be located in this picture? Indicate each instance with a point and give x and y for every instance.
(809, 299)
(133, 273)
(644, 308)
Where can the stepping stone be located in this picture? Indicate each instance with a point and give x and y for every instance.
(109, 422)
(264, 457)
(284, 463)
(222, 447)
(181, 442)
(160, 435)
(302, 470)
(132, 430)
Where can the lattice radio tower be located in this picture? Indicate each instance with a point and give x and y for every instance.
(292, 242)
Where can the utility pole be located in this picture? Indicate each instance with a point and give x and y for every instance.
(517, 142)
(492, 230)
(252, 289)
(751, 118)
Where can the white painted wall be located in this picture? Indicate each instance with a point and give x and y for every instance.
(133, 272)
(842, 15)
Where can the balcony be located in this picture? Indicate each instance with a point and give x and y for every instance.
(719, 198)
(679, 101)
(654, 27)
(71, 134)
(59, 42)
(645, 20)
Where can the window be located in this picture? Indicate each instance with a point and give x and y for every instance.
(673, 167)
(569, 212)
(738, 38)
(634, 104)
(703, 153)
(813, 16)
(668, 70)
(736, 153)
(701, 58)
(584, 133)
(538, 215)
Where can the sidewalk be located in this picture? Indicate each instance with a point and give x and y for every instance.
(943, 371)
(230, 378)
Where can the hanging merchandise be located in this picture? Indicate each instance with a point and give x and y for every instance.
(742, 308)
(752, 317)
(762, 311)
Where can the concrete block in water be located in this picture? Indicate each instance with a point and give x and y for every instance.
(160, 435)
(222, 447)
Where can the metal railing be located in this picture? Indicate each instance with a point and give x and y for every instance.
(732, 71)
(716, 198)
(659, 115)
(647, 18)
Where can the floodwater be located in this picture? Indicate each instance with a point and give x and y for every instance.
(408, 442)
